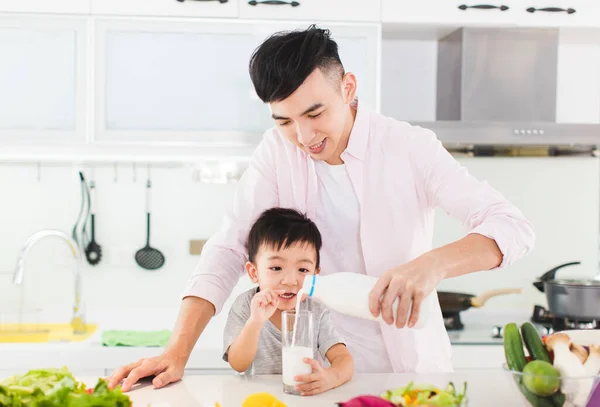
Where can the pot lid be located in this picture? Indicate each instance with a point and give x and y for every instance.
(575, 283)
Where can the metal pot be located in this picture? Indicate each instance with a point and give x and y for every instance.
(574, 299)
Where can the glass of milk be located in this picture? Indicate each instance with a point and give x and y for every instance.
(298, 342)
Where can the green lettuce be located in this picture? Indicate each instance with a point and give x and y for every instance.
(57, 388)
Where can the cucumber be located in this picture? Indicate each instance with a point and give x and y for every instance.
(536, 401)
(534, 344)
(513, 348)
(559, 399)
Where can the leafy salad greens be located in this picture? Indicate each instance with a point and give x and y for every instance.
(57, 388)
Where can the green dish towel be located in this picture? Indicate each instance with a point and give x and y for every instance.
(136, 338)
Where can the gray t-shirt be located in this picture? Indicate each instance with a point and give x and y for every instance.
(268, 352)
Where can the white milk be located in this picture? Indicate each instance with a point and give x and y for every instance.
(298, 302)
(293, 364)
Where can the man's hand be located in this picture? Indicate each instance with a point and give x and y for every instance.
(264, 304)
(411, 282)
(166, 368)
(416, 279)
(319, 381)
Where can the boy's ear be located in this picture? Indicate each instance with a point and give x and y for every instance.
(252, 272)
(318, 270)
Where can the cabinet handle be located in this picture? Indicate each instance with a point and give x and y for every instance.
(552, 10)
(274, 2)
(483, 7)
(220, 1)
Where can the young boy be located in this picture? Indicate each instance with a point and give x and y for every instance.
(283, 248)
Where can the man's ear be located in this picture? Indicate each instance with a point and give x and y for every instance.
(252, 272)
(318, 270)
(349, 87)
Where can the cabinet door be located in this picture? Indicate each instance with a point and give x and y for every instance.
(46, 6)
(180, 82)
(42, 80)
(468, 12)
(559, 13)
(179, 8)
(312, 10)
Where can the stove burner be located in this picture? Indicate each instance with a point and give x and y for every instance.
(546, 318)
(452, 322)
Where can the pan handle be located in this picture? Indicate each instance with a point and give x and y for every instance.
(550, 275)
(482, 298)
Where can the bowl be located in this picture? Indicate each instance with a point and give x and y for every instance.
(581, 391)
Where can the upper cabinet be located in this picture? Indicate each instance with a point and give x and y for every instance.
(312, 10)
(174, 8)
(453, 12)
(530, 13)
(559, 13)
(43, 80)
(46, 6)
(183, 82)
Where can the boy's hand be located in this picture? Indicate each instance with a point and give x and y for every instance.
(319, 381)
(264, 304)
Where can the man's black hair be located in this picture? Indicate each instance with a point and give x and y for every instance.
(281, 228)
(284, 60)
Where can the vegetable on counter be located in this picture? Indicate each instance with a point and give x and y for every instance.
(556, 372)
(57, 387)
(513, 348)
(412, 395)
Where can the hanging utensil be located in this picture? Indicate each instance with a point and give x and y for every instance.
(148, 257)
(79, 229)
(93, 251)
(570, 298)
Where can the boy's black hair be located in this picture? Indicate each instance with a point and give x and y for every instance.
(283, 62)
(281, 228)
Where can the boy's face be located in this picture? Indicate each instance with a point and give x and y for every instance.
(283, 269)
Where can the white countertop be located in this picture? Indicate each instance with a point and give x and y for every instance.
(485, 388)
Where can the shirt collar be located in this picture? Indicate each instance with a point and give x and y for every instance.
(359, 135)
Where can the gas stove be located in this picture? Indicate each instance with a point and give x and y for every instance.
(546, 323)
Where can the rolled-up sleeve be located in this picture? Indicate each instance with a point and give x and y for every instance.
(224, 254)
(481, 209)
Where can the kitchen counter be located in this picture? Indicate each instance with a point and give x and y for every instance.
(485, 388)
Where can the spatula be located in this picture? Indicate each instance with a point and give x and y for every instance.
(93, 251)
(148, 257)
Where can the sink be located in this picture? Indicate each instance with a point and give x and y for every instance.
(40, 333)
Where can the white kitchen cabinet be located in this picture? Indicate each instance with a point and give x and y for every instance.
(42, 80)
(449, 12)
(188, 83)
(558, 13)
(170, 8)
(46, 6)
(476, 357)
(312, 10)
(578, 76)
(530, 13)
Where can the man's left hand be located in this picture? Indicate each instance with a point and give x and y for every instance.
(411, 282)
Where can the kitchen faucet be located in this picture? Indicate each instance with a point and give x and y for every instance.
(78, 322)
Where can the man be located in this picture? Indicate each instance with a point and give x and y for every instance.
(371, 185)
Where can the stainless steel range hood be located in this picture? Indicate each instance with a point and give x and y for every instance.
(497, 86)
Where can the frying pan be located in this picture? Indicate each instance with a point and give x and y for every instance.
(453, 303)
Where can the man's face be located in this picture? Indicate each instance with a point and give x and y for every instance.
(316, 117)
